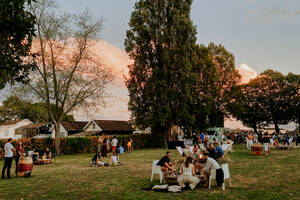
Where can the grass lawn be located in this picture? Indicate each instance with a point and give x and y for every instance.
(253, 177)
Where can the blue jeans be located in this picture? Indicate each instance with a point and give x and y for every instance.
(7, 165)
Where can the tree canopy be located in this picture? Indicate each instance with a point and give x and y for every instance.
(17, 30)
(161, 40)
(16, 108)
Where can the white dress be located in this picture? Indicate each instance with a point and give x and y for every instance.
(187, 177)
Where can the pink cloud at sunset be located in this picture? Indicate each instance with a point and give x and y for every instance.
(117, 99)
(246, 72)
(115, 58)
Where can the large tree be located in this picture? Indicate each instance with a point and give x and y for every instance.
(293, 89)
(220, 80)
(161, 41)
(17, 30)
(245, 106)
(69, 75)
(274, 96)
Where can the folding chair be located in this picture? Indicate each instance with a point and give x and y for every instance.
(156, 170)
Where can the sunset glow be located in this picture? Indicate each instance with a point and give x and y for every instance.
(246, 72)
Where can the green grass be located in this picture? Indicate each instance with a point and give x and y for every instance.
(253, 177)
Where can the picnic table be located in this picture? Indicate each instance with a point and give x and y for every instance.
(256, 149)
(43, 161)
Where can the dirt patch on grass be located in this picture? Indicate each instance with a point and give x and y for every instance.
(244, 180)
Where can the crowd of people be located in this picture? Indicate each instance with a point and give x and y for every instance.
(284, 139)
(107, 144)
(193, 168)
(273, 139)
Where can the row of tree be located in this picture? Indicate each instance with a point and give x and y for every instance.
(16, 108)
(270, 98)
(174, 81)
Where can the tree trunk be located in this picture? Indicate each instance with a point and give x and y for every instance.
(57, 138)
(254, 127)
(159, 136)
(276, 127)
(216, 119)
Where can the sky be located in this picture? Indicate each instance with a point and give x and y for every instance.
(261, 34)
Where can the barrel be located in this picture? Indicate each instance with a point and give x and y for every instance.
(25, 165)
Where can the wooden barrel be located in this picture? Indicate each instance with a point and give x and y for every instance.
(25, 165)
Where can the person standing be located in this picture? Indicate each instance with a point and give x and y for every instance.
(19, 154)
(8, 157)
(266, 140)
(114, 144)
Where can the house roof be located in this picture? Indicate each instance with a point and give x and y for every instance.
(33, 126)
(11, 122)
(74, 126)
(111, 125)
(85, 133)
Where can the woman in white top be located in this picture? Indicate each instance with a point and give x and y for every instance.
(187, 174)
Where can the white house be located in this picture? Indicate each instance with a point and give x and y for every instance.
(7, 129)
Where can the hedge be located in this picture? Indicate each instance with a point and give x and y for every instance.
(72, 145)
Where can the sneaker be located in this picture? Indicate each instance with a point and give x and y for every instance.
(3, 177)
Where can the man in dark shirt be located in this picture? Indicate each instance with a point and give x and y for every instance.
(165, 164)
(212, 152)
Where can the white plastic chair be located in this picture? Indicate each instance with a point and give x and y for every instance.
(156, 170)
(202, 147)
(227, 146)
(180, 151)
(226, 175)
(212, 176)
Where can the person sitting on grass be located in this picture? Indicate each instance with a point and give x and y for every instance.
(188, 174)
(166, 165)
(121, 149)
(276, 143)
(47, 154)
(114, 159)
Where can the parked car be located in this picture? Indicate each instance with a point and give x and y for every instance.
(216, 132)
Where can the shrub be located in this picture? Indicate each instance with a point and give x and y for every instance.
(74, 145)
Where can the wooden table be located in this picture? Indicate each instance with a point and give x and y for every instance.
(43, 161)
(172, 179)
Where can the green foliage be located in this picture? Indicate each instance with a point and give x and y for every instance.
(14, 107)
(73, 145)
(221, 78)
(17, 30)
(161, 40)
(269, 98)
(77, 145)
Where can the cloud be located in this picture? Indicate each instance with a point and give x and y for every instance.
(246, 72)
(277, 14)
(117, 100)
(114, 57)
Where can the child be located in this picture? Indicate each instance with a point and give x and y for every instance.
(121, 149)
(129, 145)
(114, 159)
